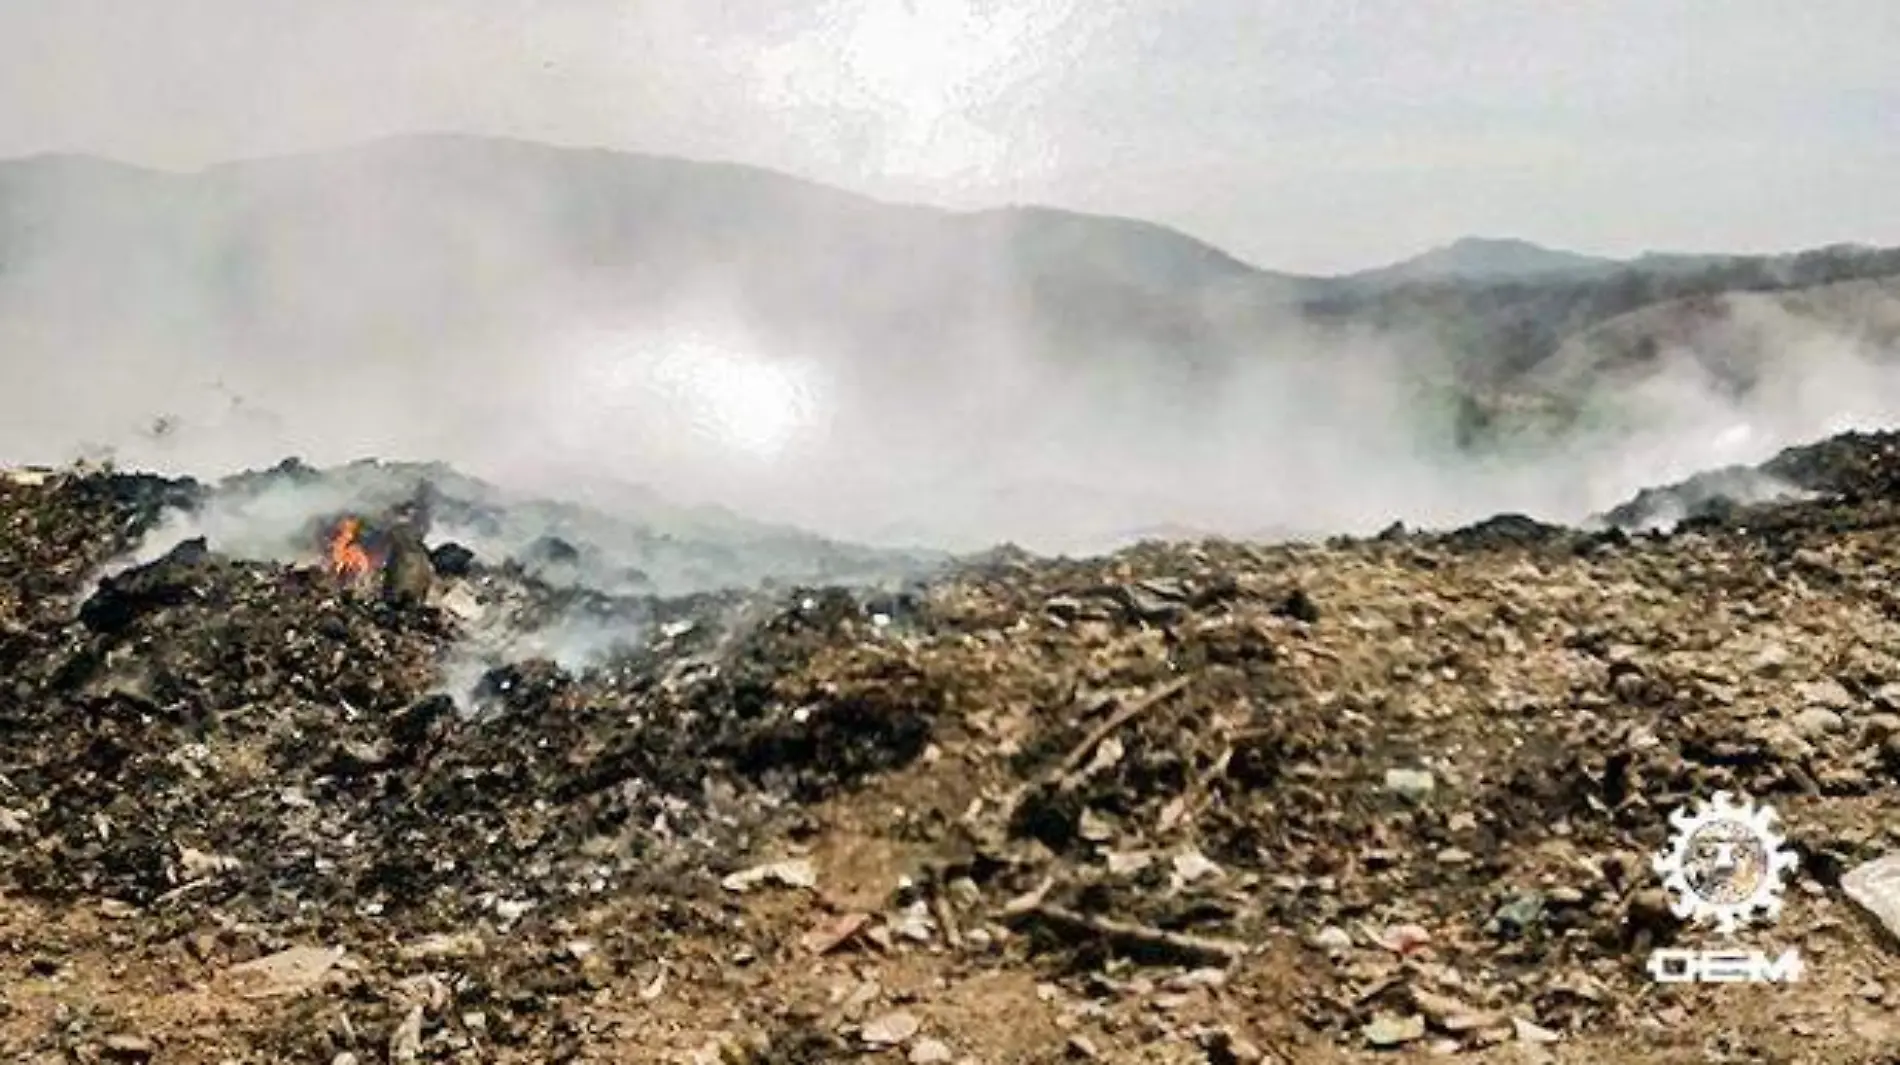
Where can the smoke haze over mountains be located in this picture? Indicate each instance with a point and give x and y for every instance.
(1317, 138)
(605, 325)
(580, 322)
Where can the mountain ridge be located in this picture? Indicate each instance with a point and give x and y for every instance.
(1471, 257)
(539, 303)
(1483, 258)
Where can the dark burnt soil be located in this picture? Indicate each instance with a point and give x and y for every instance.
(1214, 802)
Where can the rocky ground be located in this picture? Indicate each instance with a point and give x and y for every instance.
(1210, 803)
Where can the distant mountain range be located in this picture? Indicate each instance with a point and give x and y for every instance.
(371, 283)
(452, 235)
(1488, 260)
(1485, 259)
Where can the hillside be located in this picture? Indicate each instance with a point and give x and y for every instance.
(451, 242)
(546, 317)
(465, 235)
(1735, 338)
(1524, 335)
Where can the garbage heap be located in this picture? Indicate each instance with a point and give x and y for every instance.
(1188, 802)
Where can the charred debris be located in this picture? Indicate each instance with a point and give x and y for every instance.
(1427, 764)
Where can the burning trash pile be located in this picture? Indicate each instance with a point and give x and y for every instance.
(394, 557)
(349, 560)
(1186, 803)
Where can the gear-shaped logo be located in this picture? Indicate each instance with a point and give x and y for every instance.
(1725, 862)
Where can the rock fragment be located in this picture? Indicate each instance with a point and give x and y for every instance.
(1875, 887)
(407, 575)
(1388, 1030)
(405, 1042)
(931, 1052)
(287, 972)
(1818, 721)
(833, 932)
(890, 1029)
(1531, 1032)
(793, 873)
(1410, 783)
(129, 1048)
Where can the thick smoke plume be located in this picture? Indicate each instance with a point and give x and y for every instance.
(532, 578)
(578, 326)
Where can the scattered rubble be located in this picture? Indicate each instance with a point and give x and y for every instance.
(1191, 802)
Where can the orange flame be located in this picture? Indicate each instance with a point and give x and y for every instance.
(348, 560)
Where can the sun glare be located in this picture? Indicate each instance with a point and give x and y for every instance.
(745, 403)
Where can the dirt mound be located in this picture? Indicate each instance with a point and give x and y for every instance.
(1847, 481)
(1852, 465)
(1195, 803)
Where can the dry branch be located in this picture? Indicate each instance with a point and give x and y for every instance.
(1076, 757)
(1135, 938)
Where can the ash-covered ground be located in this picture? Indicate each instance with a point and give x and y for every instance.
(456, 783)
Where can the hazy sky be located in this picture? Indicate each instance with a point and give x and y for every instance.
(1316, 135)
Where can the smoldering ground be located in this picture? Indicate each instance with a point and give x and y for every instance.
(1304, 442)
(516, 577)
